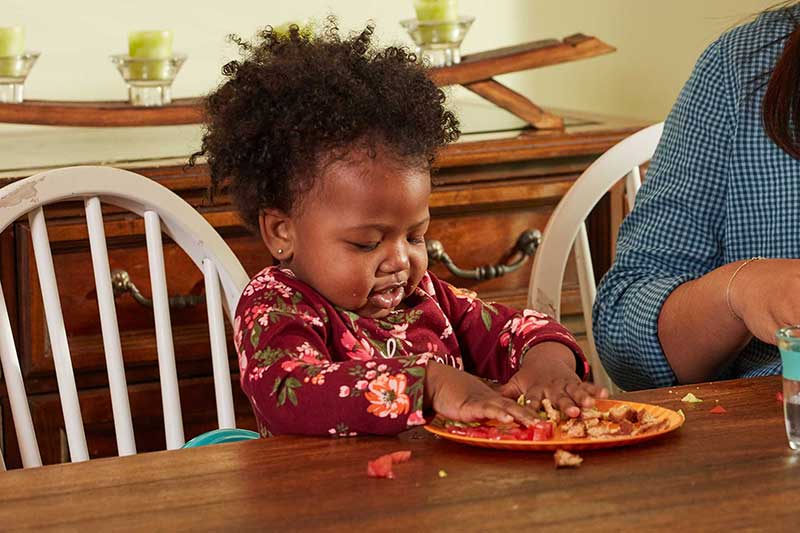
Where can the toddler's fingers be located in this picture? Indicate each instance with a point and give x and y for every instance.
(486, 410)
(582, 395)
(519, 413)
(509, 390)
(533, 398)
(596, 391)
(566, 404)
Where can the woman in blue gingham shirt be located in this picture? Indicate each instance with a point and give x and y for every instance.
(688, 298)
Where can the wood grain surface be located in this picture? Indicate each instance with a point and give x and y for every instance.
(718, 472)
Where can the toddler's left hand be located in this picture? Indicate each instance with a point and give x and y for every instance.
(545, 373)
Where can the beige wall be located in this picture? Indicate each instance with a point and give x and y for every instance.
(658, 41)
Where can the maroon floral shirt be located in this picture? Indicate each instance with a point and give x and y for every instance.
(309, 367)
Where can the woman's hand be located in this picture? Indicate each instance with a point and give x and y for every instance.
(548, 371)
(763, 294)
(461, 396)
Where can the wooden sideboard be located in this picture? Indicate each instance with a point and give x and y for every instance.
(496, 182)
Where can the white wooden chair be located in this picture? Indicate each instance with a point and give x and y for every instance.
(567, 227)
(162, 210)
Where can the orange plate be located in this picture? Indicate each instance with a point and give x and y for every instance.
(674, 419)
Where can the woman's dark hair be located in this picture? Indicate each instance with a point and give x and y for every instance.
(295, 101)
(780, 107)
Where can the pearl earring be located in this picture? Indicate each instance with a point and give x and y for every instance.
(280, 250)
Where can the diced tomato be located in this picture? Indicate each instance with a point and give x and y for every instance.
(400, 457)
(525, 434)
(513, 433)
(542, 431)
(493, 433)
(477, 432)
(381, 467)
(718, 410)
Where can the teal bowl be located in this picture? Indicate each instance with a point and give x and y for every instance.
(220, 436)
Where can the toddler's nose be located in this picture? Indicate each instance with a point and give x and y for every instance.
(396, 261)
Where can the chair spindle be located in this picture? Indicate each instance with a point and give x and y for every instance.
(70, 406)
(120, 406)
(219, 346)
(168, 374)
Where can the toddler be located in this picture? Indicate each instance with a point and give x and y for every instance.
(327, 144)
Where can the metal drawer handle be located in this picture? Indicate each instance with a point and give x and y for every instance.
(526, 246)
(121, 283)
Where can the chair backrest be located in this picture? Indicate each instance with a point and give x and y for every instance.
(162, 210)
(567, 227)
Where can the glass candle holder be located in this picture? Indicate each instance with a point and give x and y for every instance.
(438, 41)
(149, 79)
(13, 71)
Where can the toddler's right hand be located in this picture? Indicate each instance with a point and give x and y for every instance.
(460, 396)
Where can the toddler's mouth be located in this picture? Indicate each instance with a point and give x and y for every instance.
(387, 297)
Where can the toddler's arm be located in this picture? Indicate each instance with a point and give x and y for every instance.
(493, 337)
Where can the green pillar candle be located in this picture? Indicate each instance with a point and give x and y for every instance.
(12, 43)
(150, 45)
(436, 10)
(432, 11)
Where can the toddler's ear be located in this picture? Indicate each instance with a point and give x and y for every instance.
(276, 233)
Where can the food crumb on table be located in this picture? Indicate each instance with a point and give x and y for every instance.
(382, 466)
(442, 473)
(567, 459)
(691, 398)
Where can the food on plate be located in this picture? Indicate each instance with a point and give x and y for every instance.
(553, 415)
(620, 420)
(567, 459)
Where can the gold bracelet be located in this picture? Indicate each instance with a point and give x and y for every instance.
(730, 282)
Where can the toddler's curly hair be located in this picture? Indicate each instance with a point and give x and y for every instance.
(296, 100)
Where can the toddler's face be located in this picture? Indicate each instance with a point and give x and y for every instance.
(359, 238)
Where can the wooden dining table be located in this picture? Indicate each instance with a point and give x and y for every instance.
(732, 470)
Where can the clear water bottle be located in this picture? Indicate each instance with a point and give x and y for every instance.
(789, 346)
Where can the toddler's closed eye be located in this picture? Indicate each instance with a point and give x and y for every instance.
(365, 247)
